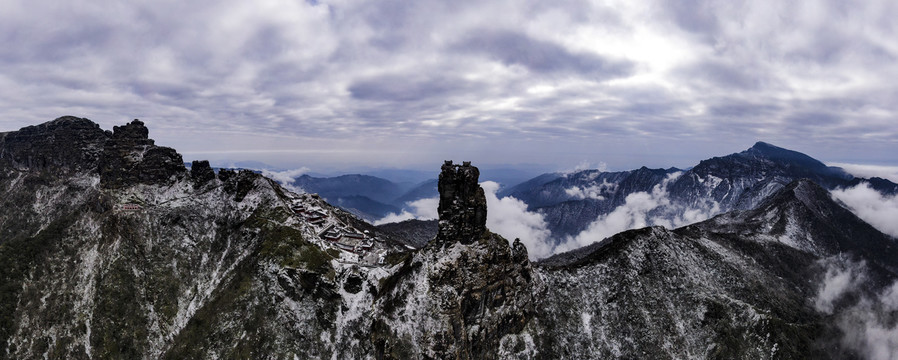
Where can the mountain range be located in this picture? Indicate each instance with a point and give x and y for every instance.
(111, 248)
(571, 202)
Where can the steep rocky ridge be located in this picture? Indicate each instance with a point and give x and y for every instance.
(740, 285)
(466, 295)
(67, 144)
(111, 249)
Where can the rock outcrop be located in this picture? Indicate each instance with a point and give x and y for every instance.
(67, 144)
(480, 289)
(462, 207)
(201, 172)
(131, 157)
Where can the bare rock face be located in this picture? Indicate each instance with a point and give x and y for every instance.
(201, 172)
(67, 144)
(462, 207)
(123, 157)
(130, 157)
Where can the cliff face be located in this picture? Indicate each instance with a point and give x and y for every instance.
(131, 157)
(67, 144)
(123, 157)
(109, 250)
(462, 206)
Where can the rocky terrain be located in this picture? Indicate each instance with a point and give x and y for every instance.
(740, 285)
(415, 233)
(110, 248)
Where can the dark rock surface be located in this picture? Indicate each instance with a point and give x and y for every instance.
(481, 289)
(67, 144)
(462, 207)
(414, 233)
(201, 172)
(130, 157)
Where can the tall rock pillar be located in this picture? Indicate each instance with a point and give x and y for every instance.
(462, 207)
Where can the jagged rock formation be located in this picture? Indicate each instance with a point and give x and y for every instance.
(201, 172)
(462, 206)
(480, 289)
(67, 144)
(131, 157)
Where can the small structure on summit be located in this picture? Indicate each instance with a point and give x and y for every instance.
(462, 208)
(130, 207)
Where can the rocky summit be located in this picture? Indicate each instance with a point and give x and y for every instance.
(111, 249)
(130, 157)
(462, 208)
(480, 289)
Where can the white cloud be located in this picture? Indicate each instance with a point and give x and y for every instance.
(838, 281)
(586, 165)
(867, 171)
(639, 210)
(353, 78)
(422, 209)
(509, 217)
(591, 192)
(286, 177)
(866, 324)
(394, 218)
(877, 209)
(426, 209)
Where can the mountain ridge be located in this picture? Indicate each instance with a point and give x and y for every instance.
(570, 202)
(159, 262)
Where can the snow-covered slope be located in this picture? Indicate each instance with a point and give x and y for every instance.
(741, 285)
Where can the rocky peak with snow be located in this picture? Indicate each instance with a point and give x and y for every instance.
(480, 290)
(803, 215)
(131, 157)
(462, 208)
(201, 172)
(745, 284)
(67, 144)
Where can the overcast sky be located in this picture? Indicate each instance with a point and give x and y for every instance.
(330, 84)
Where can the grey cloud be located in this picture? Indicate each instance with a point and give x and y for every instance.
(727, 75)
(815, 118)
(696, 16)
(736, 108)
(406, 87)
(423, 71)
(513, 48)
